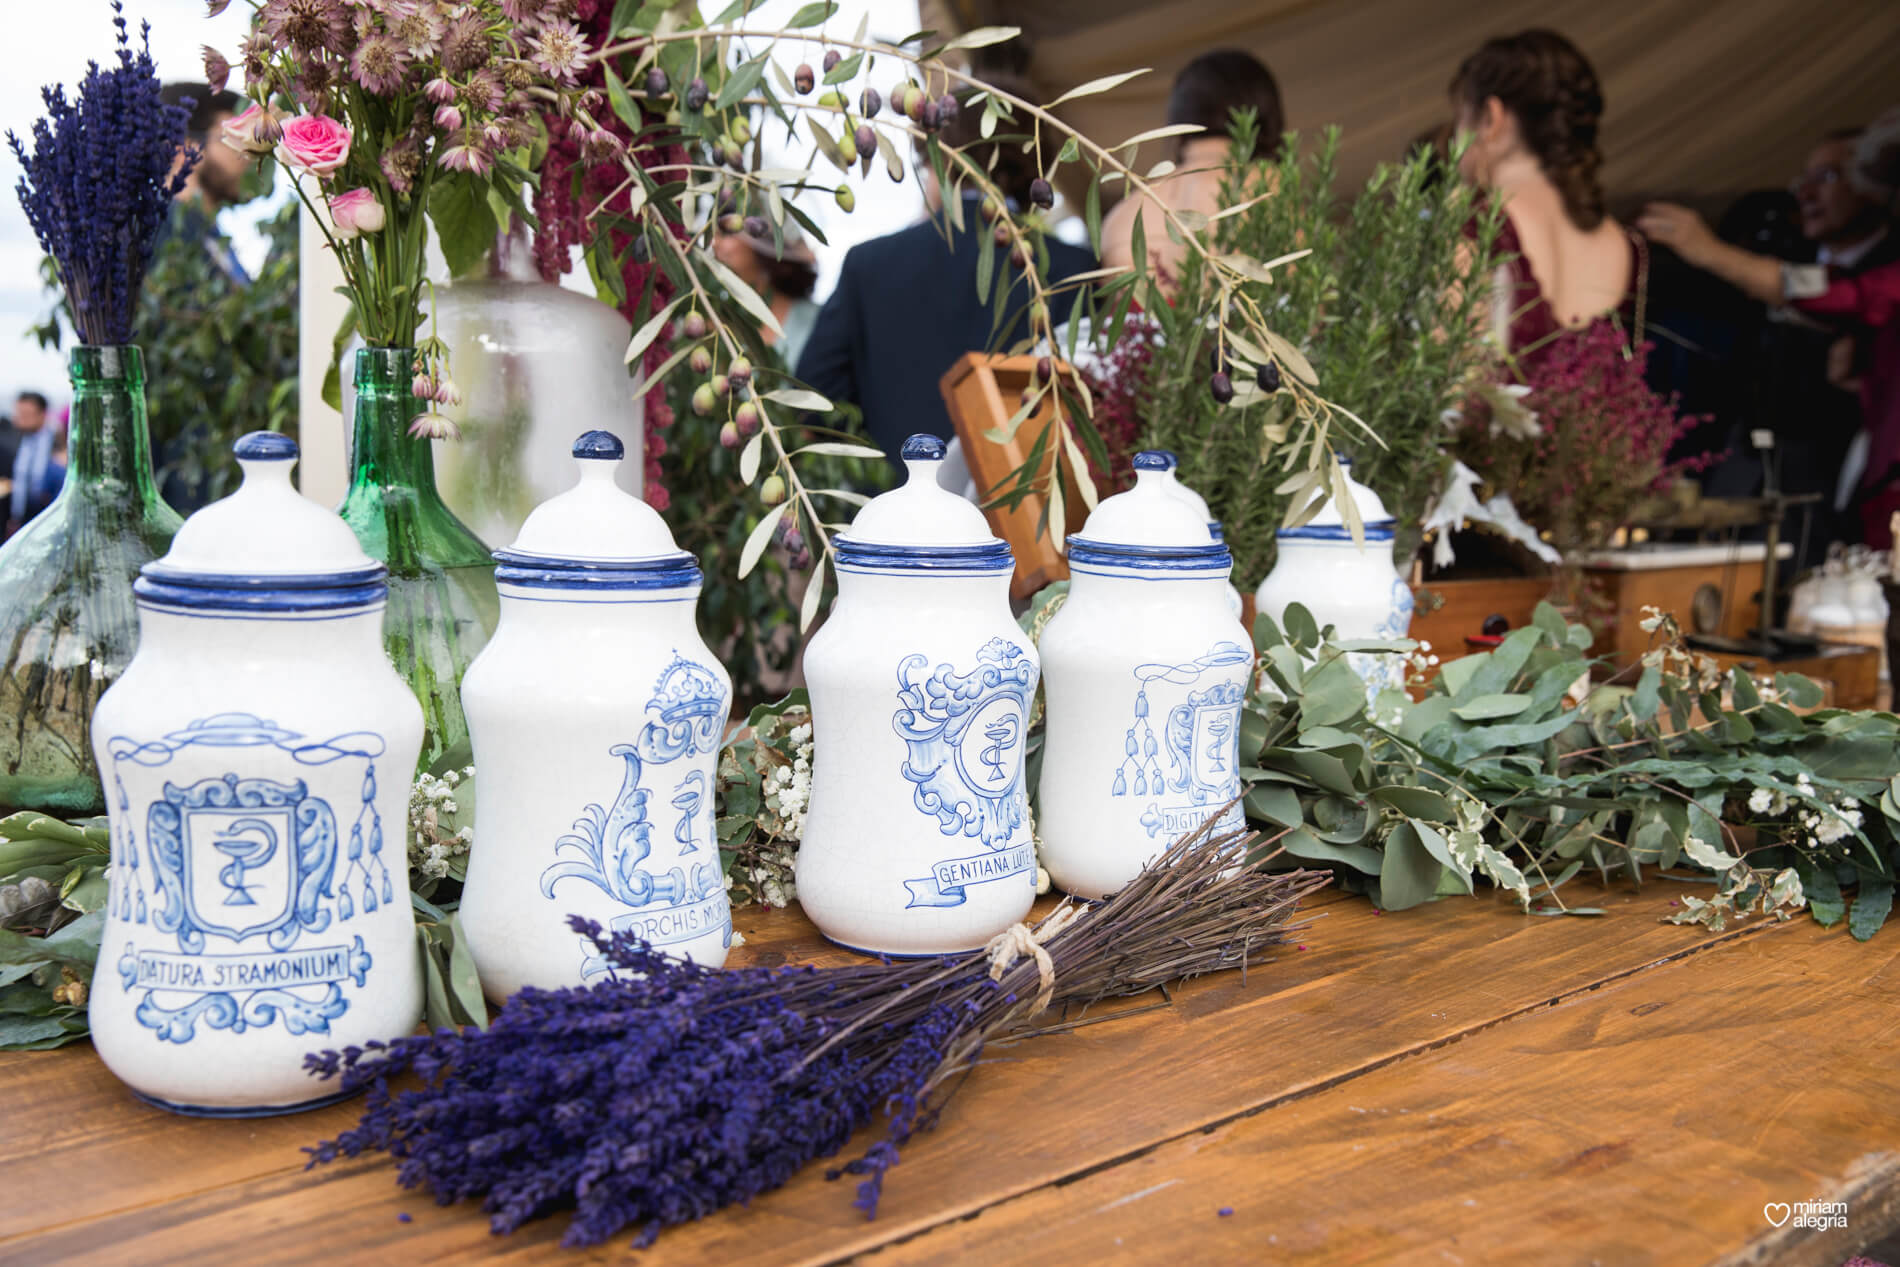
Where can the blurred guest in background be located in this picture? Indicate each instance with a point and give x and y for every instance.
(216, 181)
(1529, 105)
(906, 307)
(1206, 93)
(9, 445)
(1847, 197)
(36, 475)
(783, 274)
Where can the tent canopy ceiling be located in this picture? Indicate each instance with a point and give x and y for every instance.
(1704, 101)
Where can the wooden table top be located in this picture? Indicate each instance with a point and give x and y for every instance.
(1455, 1084)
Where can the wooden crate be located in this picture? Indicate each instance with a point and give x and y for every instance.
(1464, 605)
(982, 393)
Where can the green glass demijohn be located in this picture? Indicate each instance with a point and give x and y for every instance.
(442, 600)
(68, 624)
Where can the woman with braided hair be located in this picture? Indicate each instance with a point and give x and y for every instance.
(1527, 107)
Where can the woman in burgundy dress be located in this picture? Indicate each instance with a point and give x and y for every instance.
(1528, 106)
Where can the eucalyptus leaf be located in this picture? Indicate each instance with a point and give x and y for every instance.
(1408, 873)
(1486, 707)
(1871, 906)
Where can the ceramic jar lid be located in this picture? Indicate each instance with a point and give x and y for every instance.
(1329, 525)
(1149, 528)
(920, 525)
(596, 535)
(1175, 488)
(266, 547)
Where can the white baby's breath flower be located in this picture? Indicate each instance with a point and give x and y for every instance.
(1760, 800)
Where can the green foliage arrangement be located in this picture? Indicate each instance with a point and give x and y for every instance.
(52, 912)
(1387, 310)
(763, 785)
(1516, 768)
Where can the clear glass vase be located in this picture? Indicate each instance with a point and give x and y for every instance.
(68, 625)
(531, 358)
(442, 601)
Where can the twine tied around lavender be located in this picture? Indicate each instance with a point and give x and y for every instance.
(1019, 940)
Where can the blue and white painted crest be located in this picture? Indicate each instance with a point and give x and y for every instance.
(964, 734)
(245, 858)
(1200, 739)
(610, 846)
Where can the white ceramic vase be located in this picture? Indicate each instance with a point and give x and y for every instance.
(917, 837)
(256, 757)
(1171, 484)
(596, 714)
(1355, 588)
(1145, 668)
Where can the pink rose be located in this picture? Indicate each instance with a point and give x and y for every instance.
(356, 212)
(256, 131)
(314, 143)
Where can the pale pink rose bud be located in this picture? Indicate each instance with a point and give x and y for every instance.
(314, 143)
(355, 212)
(246, 132)
(448, 118)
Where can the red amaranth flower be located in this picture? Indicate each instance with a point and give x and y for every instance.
(573, 190)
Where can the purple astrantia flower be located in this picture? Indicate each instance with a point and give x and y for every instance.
(465, 45)
(308, 26)
(99, 184)
(560, 50)
(380, 65)
(417, 25)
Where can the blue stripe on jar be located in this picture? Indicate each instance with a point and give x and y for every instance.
(672, 571)
(1215, 530)
(1378, 530)
(265, 446)
(868, 556)
(204, 591)
(1177, 559)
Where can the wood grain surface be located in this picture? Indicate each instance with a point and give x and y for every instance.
(1458, 1083)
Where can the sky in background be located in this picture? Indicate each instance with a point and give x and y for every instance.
(51, 43)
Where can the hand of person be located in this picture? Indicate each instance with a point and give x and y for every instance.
(1680, 229)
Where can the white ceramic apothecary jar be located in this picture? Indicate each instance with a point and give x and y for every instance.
(596, 714)
(1172, 485)
(1145, 667)
(256, 756)
(1355, 588)
(917, 838)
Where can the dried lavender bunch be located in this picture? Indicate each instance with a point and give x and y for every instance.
(673, 1090)
(100, 182)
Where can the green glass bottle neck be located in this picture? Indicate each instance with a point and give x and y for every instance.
(107, 441)
(392, 503)
(382, 451)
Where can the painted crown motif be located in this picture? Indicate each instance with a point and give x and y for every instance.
(686, 691)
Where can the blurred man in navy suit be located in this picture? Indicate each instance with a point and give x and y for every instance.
(906, 307)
